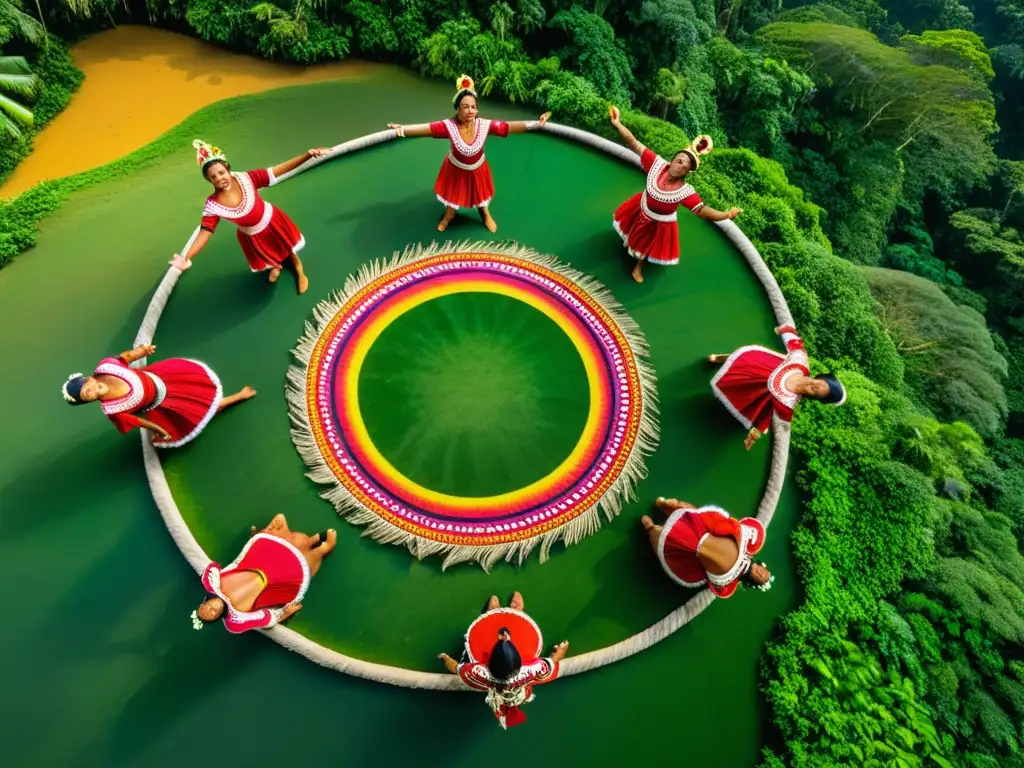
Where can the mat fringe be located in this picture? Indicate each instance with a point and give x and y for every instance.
(622, 490)
(407, 678)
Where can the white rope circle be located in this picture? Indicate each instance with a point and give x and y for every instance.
(407, 678)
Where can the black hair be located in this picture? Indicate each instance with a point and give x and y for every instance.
(463, 94)
(690, 154)
(505, 661)
(836, 391)
(74, 390)
(209, 165)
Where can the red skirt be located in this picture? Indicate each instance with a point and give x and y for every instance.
(677, 547)
(273, 246)
(193, 394)
(523, 631)
(282, 567)
(742, 385)
(459, 188)
(645, 238)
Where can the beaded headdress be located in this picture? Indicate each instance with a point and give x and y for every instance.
(207, 153)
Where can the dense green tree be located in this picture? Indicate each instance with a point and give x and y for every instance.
(950, 358)
(590, 47)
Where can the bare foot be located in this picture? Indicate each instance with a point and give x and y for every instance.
(274, 274)
(449, 214)
(637, 274)
(490, 223)
(517, 602)
(646, 522)
(493, 604)
(332, 541)
(278, 523)
(717, 358)
(303, 283)
(252, 530)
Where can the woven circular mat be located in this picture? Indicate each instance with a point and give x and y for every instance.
(473, 400)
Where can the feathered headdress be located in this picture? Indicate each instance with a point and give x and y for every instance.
(463, 85)
(700, 146)
(206, 153)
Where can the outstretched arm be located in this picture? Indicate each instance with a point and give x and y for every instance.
(184, 261)
(706, 212)
(624, 132)
(521, 126)
(295, 162)
(410, 132)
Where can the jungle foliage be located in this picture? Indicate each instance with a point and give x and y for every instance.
(862, 139)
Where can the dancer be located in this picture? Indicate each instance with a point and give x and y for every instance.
(465, 179)
(503, 647)
(647, 222)
(267, 236)
(177, 396)
(755, 382)
(265, 584)
(706, 546)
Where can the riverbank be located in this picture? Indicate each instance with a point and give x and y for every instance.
(158, 79)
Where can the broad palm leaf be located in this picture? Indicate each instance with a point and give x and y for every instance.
(16, 80)
(19, 24)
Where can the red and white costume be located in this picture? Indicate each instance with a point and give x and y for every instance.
(647, 222)
(465, 179)
(177, 394)
(506, 697)
(752, 381)
(285, 575)
(267, 236)
(687, 529)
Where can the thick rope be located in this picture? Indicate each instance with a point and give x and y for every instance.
(408, 678)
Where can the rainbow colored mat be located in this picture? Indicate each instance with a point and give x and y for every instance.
(473, 400)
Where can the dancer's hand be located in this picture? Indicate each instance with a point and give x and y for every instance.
(732, 213)
(543, 118)
(180, 262)
(145, 350)
(560, 650)
(318, 152)
(614, 112)
(163, 434)
(290, 610)
(752, 437)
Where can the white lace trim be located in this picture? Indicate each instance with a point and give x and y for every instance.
(520, 614)
(674, 518)
(482, 128)
(666, 196)
(750, 534)
(161, 391)
(213, 208)
(136, 390)
(263, 223)
(663, 217)
(464, 166)
(794, 363)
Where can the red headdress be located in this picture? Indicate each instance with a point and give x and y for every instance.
(464, 85)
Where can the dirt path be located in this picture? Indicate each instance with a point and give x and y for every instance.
(139, 82)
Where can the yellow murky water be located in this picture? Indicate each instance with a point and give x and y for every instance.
(139, 82)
